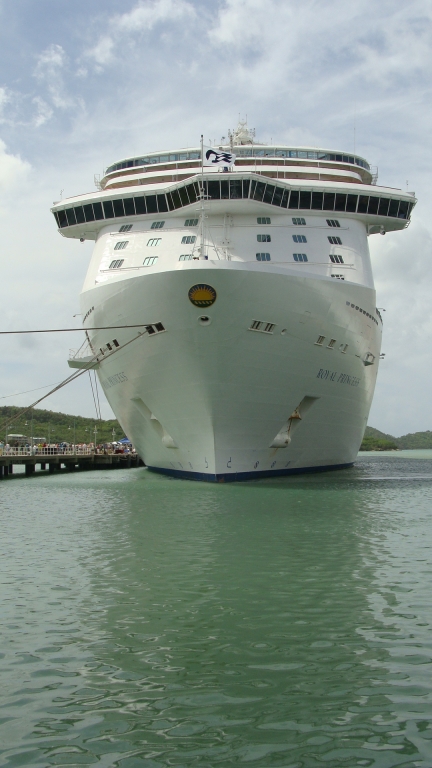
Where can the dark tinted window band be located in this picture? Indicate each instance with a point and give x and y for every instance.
(281, 197)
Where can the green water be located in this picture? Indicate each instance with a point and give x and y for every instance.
(149, 622)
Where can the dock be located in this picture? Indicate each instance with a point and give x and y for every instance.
(71, 461)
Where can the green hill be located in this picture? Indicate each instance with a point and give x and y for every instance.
(373, 437)
(58, 427)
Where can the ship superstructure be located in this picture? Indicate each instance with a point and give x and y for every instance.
(246, 337)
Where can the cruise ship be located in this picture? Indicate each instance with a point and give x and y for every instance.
(229, 309)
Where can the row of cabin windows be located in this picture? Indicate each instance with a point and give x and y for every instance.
(189, 239)
(153, 242)
(149, 260)
(187, 194)
(160, 224)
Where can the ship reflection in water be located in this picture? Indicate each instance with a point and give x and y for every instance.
(154, 622)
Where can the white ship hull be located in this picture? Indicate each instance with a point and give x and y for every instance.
(242, 337)
(213, 400)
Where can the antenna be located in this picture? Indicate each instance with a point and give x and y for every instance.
(355, 118)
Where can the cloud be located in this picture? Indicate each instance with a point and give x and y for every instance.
(142, 18)
(49, 72)
(14, 172)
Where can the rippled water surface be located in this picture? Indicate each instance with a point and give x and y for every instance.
(149, 622)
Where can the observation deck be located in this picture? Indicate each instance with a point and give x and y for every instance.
(275, 162)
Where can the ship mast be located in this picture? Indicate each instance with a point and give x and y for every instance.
(202, 243)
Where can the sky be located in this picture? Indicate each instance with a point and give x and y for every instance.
(84, 84)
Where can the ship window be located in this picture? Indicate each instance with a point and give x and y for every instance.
(157, 224)
(185, 257)
(332, 223)
(149, 260)
(305, 199)
(268, 195)
(320, 340)
(79, 213)
(340, 202)
(118, 208)
(235, 189)
(261, 325)
(336, 259)
(258, 192)
(264, 238)
(263, 220)
(224, 190)
(246, 187)
(213, 190)
(403, 209)
(125, 227)
(329, 201)
(393, 208)
(339, 277)
(263, 257)
(300, 257)
(351, 205)
(299, 222)
(373, 205)
(278, 195)
(187, 239)
(97, 210)
(70, 213)
(129, 206)
(184, 197)
(191, 223)
(151, 204)
(192, 192)
(116, 264)
(362, 204)
(334, 240)
(162, 203)
(140, 206)
(121, 245)
(108, 209)
(331, 343)
(153, 242)
(88, 212)
(299, 238)
(294, 199)
(317, 201)
(383, 206)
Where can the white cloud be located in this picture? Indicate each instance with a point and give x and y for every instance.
(49, 70)
(43, 114)
(13, 172)
(121, 28)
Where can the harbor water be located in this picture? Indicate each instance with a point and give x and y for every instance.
(148, 622)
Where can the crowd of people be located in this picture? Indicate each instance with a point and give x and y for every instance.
(47, 449)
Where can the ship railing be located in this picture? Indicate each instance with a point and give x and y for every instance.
(76, 450)
(83, 351)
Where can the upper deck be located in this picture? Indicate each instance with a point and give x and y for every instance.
(264, 176)
(275, 162)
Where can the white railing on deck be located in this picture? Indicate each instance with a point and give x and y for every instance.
(54, 451)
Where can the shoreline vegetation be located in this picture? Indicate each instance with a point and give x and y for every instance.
(63, 427)
(374, 440)
(58, 427)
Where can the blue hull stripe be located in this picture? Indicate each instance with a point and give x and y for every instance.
(232, 477)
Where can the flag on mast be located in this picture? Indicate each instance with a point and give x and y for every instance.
(213, 156)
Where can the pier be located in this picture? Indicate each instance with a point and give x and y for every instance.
(79, 459)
